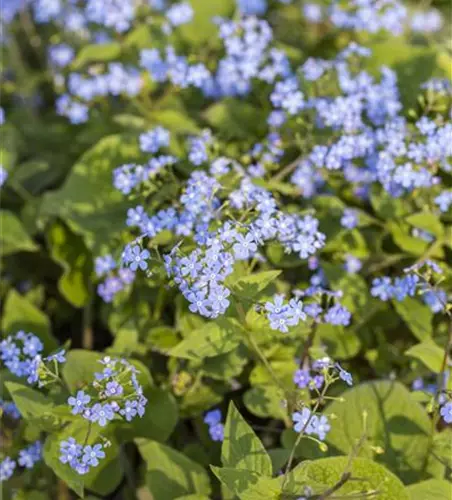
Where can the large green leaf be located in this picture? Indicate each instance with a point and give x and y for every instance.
(433, 489)
(13, 236)
(212, 339)
(241, 448)
(88, 200)
(20, 314)
(395, 422)
(171, 474)
(367, 479)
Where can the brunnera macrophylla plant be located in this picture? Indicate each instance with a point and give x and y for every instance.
(226, 247)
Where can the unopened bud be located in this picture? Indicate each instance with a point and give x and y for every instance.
(323, 447)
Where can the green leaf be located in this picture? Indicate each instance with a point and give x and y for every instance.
(342, 343)
(171, 474)
(248, 485)
(20, 314)
(212, 339)
(412, 63)
(226, 366)
(395, 422)
(13, 236)
(235, 119)
(265, 401)
(201, 30)
(69, 250)
(88, 201)
(241, 448)
(96, 53)
(175, 121)
(252, 285)
(417, 316)
(102, 479)
(33, 405)
(433, 489)
(429, 354)
(367, 475)
(428, 222)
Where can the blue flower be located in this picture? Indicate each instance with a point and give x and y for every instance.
(113, 389)
(78, 402)
(7, 467)
(91, 455)
(301, 420)
(129, 411)
(446, 412)
(344, 375)
(70, 450)
(101, 414)
(137, 258)
(302, 378)
(338, 315)
(217, 432)
(212, 417)
(152, 141)
(59, 356)
(349, 218)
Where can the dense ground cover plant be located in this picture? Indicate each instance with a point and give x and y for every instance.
(226, 249)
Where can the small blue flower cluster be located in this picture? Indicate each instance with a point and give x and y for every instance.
(113, 283)
(216, 428)
(386, 288)
(248, 56)
(117, 80)
(21, 354)
(27, 458)
(81, 458)
(129, 176)
(373, 16)
(117, 388)
(446, 412)
(309, 423)
(115, 392)
(281, 315)
(303, 378)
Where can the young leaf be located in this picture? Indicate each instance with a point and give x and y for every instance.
(241, 448)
